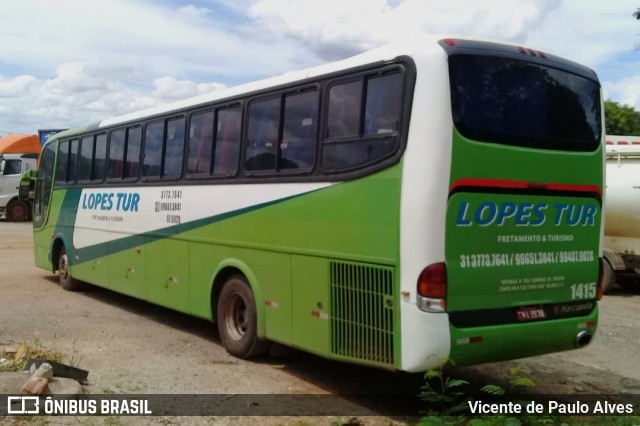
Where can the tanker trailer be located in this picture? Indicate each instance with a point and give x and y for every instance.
(622, 213)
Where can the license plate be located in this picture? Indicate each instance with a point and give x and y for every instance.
(530, 313)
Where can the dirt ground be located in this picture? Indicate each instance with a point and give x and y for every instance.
(131, 347)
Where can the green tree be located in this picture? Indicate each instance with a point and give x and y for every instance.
(621, 119)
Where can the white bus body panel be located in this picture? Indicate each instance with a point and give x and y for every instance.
(425, 175)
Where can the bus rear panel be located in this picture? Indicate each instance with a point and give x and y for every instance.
(524, 210)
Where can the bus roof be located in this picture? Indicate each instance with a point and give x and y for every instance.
(20, 144)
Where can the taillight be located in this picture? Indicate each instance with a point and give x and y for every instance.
(601, 279)
(432, 288)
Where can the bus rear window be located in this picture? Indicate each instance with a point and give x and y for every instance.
(513, 102)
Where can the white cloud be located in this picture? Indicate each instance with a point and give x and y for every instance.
(587, 32)
(75, 62)
(626, 91)
(169, 88)
(354, 25)
(348, 27)
(81, 63)
(76, 96)
(17, 86)
(72, 79)
(597, 34)
(194, 12)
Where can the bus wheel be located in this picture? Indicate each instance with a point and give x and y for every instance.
(67, 282)
(17, 211)
(238, 321)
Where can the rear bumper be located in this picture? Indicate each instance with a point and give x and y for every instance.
(476, 345)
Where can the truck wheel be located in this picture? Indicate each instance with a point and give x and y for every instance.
(67, 282)
(609, 277)
(238, 320)
(17, 211)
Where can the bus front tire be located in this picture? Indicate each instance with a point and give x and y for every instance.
(237, 320)
(67, 282)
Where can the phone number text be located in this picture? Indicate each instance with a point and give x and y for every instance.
(491, 260)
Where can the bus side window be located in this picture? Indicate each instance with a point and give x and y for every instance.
(72, 164)
(356, 136)
(85, 158)
(153, 149)
(116, 154)
(262, 138)
(200, 143)
(382, 108)
(63, 156)
(344, 109)
(132, 159)
(227, 149)
(298, 145)
(174, 148)
(99, 158)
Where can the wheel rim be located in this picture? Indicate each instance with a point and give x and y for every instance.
(235, 317)
(18, 211)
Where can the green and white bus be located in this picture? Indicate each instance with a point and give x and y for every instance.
(424, 201)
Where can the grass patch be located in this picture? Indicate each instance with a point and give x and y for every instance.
(15, 360)
(448, 401)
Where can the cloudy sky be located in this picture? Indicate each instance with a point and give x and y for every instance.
(66, 63)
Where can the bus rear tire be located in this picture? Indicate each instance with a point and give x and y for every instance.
(237, 320)
(67, 282)
(17, 211)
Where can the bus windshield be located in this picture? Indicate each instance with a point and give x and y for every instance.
(520, 103)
